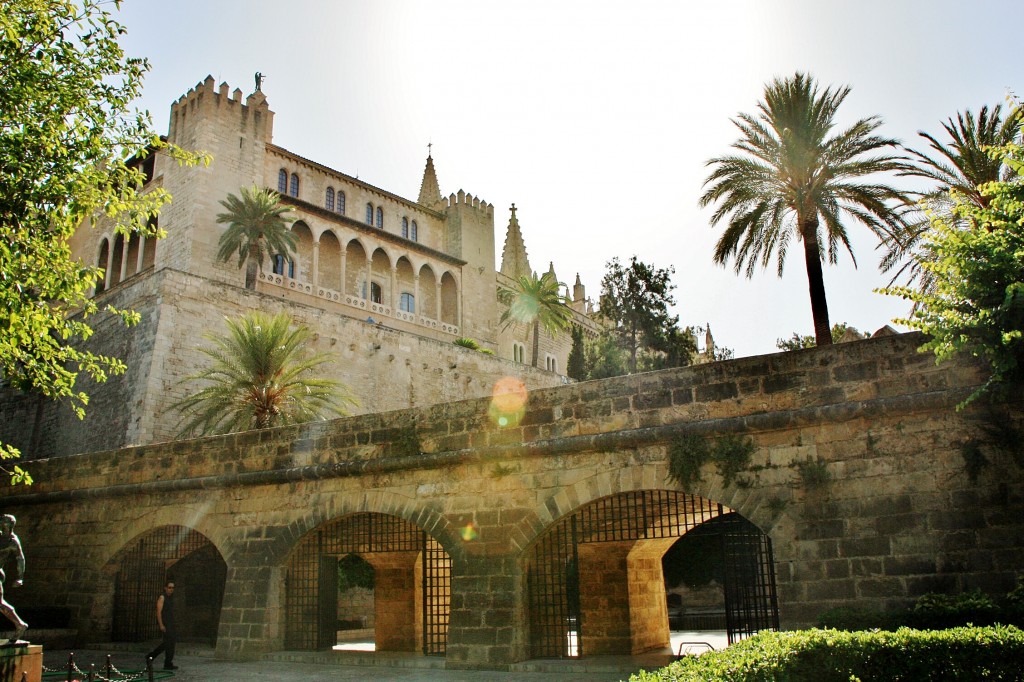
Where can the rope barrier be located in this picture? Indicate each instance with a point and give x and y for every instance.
(72, 673)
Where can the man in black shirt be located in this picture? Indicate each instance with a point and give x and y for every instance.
(165, 618)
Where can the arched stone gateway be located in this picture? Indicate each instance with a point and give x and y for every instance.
(168, 553)
(411, 585)
(595, 580)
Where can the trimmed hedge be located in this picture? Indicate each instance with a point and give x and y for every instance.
(934, 612)
(971, 653)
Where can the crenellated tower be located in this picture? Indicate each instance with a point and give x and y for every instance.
(235, 133)
(469, 235)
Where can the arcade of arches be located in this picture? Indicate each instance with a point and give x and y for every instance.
(541, 534)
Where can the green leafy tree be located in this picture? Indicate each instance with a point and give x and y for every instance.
(261, 375)
(796, 179)
(977, 263)
(257, 226)
(70, 142)
(605, 357)
(800, 341)
(537, 302)
(963, 164)
(576, 366)
(635, 300)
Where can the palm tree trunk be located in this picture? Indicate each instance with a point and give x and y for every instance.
(816, 285)
(536, 343)
(250, 267)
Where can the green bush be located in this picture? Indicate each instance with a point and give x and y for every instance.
(988, 653)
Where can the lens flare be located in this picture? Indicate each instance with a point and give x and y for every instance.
(508, 402)
(469, 532)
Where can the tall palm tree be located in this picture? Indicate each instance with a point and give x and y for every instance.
(962, 165)
(536, 301)
(797, 175)
(257, 225)
(260, 375)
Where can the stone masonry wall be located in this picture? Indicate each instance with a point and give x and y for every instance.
(857, 475)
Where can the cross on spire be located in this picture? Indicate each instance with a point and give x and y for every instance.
(429, 145)
(513, 211)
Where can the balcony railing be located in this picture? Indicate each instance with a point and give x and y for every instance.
(377, 310)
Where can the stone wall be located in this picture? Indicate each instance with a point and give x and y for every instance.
(857, 476)
(386, 369)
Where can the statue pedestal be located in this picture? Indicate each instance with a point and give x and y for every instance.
(20, 658)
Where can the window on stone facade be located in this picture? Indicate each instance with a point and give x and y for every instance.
(329, 199)
(282, 181)
(293, 189)
(551, 364)
(407, 302)
(414, 235)
(380, 217)
(369, 215)
(376, 293)
(405, 227)
(341, 202)
(518, 352)
(280, 263)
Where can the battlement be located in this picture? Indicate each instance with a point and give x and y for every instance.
(205, 99)
(470, 201)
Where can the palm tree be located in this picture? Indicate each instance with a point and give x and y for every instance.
(261, 375)
(537, 302)
(257, 224)
(797, 175)
(961, 166)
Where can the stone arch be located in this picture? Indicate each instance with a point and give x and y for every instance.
(355, 268)
(116, 256)
(595, 579)
(380, 275)
(132, 261)
(329, 275)
(103, 263)
(139, 569)
(428, 292)
(303, 252)
(449, 299)
(411, 590)
(405, 281)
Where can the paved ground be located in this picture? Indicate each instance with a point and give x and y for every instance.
(196, 664)
(205, 669)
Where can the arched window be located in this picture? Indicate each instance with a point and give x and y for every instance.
(405, 227)
(518, 352)
(376, 293)
(369, 215)
(551, 363)
(279, 265)
(294, 188)
(380, 217)
(415, 234)
(282, 181)
(329, 199)
(407, 302)
(341, 202)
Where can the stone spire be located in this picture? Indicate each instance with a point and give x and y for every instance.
(579, 292)
(514, 261)
(430, 191)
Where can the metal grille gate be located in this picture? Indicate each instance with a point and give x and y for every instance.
(311, 578)
(142, 569)
(751, 604)
(553, 569)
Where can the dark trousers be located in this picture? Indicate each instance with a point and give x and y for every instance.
(166, 647)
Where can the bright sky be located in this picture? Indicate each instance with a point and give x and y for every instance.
(595, 118)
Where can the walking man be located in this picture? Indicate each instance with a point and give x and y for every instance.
(10, 547)
(165, 619)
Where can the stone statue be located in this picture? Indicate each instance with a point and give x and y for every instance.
(10, 547)
(259, 81)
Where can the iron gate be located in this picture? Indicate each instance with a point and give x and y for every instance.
(311, 578)
(751, 604)
(142, 571)
(553, 569)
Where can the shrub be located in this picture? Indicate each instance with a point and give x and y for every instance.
(988, 653)
(932, 611)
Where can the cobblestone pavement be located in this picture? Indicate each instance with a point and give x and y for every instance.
(207, 669)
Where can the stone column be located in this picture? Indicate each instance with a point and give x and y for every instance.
(125, 242)
(141, 255)
(437, 300)
(416, 294)
(315, 274)
(394, 287)
(344, 261)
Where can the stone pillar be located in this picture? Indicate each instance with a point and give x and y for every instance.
(124, 257)
(487, 623)
(437, 300)
(416, 294)
(141, 255)
(315, 274)
(394, 598)
(344, 262)
(394, 288)
(21, 661)
(604, 597)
